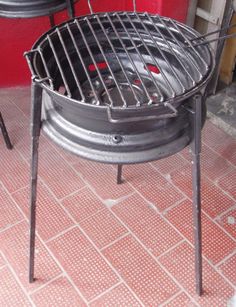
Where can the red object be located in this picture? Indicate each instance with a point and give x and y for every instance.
(101, 66)
(18, 35)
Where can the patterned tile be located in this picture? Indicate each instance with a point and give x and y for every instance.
(14, 171)
(119, 296)
(228, 269)
(228, 222)
(11, 293)
(228, 183)
(170, 164)
(156, 189)
(156, 234)
(14, 245)
(2, 261)
(86, 267)
(103, 228)
(181, 300)
(140, 271)
(58, 293)
(9, 213)
(214, 200)
(83, 204)
(212, 235)
(49, 212)
(58, 175)
(180, 263)
(102, 178)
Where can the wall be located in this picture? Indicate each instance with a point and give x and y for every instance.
(18, 35)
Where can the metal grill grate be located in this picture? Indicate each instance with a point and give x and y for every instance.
(121, 60)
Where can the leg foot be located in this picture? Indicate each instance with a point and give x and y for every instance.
(4, 133)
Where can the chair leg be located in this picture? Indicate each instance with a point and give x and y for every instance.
(196, 149)
(35, 133)
(52, 20)
(119, 174)
(4, 133)
(70, 8)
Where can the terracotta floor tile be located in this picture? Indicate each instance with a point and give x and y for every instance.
(2, 261)
(180, 263)
(86, 267)
(228, 222)
(14, 171)
(228, 183)
(140, 271)
(155, 188)
(156, 234)
(14, 245)
(51, 218)
(9, 213)
(11, 293)
(83, 204)
(228, 268)
(170, 164)
(58, 293)
(58, 175)
(214, 200)
(119, 296)
(213, 236)
(102, 178)
(103, 228)
(181, 300)
(213, 165)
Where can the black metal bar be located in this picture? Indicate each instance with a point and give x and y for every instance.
(119, 174)
(52, 20)
(70, 64)
(196, 178)
(129, 57)
(82, 62)
(107, 61)
(4, 133)
(35, 133)
(116, 55)
(59, 66)
(70, 8)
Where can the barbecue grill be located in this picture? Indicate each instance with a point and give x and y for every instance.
(121, 88)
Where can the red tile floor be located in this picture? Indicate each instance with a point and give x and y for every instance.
(99, 244)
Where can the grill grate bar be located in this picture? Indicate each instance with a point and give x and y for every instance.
(130, 59)
(176, 26)
(46, 69)
(107, 61)
(70, 63)
(59, 66)
(172, 34)
(169, 45)
(94, 62)
(156, 62)
(117, 57)
(144, 45)
(161, 52)
(140, 56)
(82, 62)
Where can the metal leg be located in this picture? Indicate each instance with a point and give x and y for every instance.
(119, 174)
(52, 20)
(196, 149)
(35, 132)
(70, 8)
(4, 133)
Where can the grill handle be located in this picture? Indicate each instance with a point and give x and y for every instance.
(113, 120)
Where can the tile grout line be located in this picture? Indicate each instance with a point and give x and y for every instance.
(109, 264)
(171, 299)
(46, 284)
(193, 246)
(226, 259)
(11, 226)
(17, 279)
(106, 291)
(157, 261)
